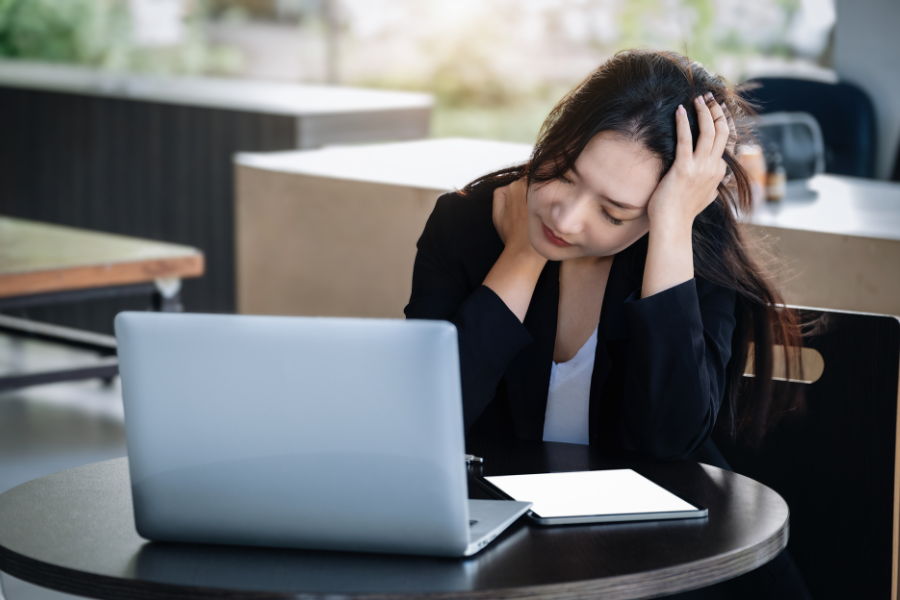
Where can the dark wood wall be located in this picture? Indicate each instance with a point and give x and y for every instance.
(146, 169)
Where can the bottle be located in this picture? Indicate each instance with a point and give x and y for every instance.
(753, 161)
(776, 178)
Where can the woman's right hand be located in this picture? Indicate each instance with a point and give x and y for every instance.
(516, 271)
(510, 216)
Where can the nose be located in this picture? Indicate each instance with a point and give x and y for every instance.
(569, 214)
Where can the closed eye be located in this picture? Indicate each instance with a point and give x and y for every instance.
(565, 179)
(611, 218)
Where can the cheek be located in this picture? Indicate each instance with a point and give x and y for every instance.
(607, 238)
(536, 198)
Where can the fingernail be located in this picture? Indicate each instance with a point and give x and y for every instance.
(699, 99)
(680, 110)
(723, 106)
(709, 96)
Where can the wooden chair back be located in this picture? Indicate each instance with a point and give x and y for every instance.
(836, 465)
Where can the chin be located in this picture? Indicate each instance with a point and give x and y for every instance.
(551, 252)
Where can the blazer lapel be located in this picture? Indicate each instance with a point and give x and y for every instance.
(623, 282)
(612, 344)
(528, 378)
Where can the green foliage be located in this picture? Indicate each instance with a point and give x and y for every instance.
(478, 99)
(99, 33)
(699, 35)
(519, 122)
(79, 31)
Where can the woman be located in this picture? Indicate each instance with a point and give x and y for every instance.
(602, 292)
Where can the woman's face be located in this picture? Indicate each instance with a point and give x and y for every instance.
(600, 208)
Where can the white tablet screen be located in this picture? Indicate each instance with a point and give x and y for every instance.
(582, 493)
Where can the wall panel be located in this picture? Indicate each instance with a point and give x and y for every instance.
(153, 170)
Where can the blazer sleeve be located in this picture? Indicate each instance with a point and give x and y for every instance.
(679, 347)
(490, 334)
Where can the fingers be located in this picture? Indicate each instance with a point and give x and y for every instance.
(684, 148)
(517, 190)
(498, 205)
(732, 130)
(723, 132)
(707, 128)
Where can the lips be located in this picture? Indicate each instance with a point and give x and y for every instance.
(553, 239)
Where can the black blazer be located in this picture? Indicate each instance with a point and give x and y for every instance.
(659, 371)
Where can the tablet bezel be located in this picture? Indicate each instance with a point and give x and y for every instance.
(700, 512)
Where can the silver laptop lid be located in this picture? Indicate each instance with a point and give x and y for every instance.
(294, 431)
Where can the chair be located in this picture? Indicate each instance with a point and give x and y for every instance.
(836, 465)
(797, 137)
(844, 112)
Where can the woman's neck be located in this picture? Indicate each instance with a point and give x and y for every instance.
(588, 263)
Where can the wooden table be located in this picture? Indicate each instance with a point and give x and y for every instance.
(39, 258)
(74, 532)
(838, 239)
(43, 264)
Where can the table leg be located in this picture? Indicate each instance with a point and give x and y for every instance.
(106, 367)
(167, 297)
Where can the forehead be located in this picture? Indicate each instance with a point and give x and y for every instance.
(619, 168)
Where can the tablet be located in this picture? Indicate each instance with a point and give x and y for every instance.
(593, 497)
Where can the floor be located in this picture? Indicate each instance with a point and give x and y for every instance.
(50, 428)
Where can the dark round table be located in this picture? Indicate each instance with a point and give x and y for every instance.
(74, 532)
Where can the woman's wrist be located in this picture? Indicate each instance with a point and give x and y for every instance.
(670, 259)
(525, 255)
(672, 229)
(672, 219)
(514, 276)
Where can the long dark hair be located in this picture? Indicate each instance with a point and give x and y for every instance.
(635, 93)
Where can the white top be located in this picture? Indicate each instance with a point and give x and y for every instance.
(566, 419)
(268, 97)
(440, 164)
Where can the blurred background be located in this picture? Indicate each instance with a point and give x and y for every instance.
(495, 67)
(282, 156)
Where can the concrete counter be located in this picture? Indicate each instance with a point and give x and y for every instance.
(838, 239)
(333, 232)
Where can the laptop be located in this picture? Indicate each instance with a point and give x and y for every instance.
(301, 432)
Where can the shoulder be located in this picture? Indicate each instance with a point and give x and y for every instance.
(455, 212)
(462, 226)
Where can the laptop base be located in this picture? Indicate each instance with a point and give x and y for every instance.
(491, 518)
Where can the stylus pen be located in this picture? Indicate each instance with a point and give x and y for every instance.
(470, 458)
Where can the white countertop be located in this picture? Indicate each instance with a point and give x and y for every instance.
(836, 204)
(438, 164)
(233, 94)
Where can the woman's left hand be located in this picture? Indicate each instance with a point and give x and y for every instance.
(691, 184)
(689, 187)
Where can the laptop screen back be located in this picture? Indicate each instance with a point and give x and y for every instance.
(295, 431)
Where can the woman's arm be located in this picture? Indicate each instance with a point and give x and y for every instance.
(490, 333)
(515, 274)
(688, 188)
(682, 327)
(679, 347)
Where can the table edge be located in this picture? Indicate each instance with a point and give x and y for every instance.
(102, 275)
(644, 584)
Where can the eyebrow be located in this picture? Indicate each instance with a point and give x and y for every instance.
(621, 205)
